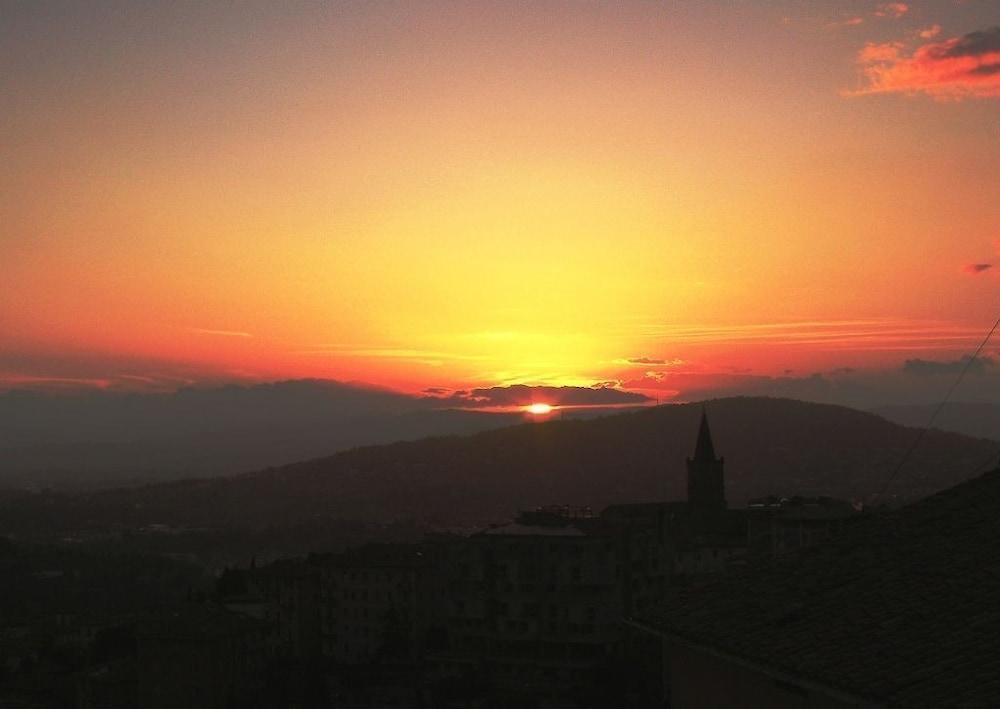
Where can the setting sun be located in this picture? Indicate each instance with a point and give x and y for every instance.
(311, 296)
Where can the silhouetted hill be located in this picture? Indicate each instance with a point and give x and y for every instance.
(223, 450)
(103, 438)
(776, 446)
(973, 419)
(92, 439)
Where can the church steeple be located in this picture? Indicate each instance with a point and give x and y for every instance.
(706, 481)
(704, 450)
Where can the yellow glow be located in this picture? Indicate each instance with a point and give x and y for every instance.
(401, 197)
(539, 409)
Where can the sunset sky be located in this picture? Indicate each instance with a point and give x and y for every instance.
(675, 197)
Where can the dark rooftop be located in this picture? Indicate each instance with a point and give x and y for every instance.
(196, 622)
(542, 523)
(805, 508)
(904, 608)
(382, 555)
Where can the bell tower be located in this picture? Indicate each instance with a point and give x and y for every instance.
(706, 481)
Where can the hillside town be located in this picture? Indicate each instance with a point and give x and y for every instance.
(537, 612)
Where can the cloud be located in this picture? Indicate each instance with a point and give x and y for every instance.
(811, 387)
(849, 22)
(929, 32)
(922, 379)
(917, 381)
(895, 10)
(975, 269)
(9, 380)
(32, 369)
(885, 52)
(602, 394)
(646, 360)
(220, 333)
(609, 384)
(957, 68)
(976, 44)
(853, 335)
(429, 358)
(925, 367)
(651, 361)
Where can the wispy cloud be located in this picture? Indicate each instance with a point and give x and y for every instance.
(13, 380)
(929, 32)
(519, 395)
(974, 269)
(858, 335)
(886, 10)
(914, 381)
(980, 365)
(220, 333)
(885, 52)
(957, 68)
(848, 22)
(433, 358)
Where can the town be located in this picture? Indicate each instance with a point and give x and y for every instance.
(535, 612)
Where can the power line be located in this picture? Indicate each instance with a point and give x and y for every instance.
(937, 410)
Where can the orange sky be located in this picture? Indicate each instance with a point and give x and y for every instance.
(454, 194)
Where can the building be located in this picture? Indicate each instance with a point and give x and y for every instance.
(291, 589)
(376, 604)
(701, 535)
(780, 525)
(706, 482)
(528, 613)
(536, 606)
(238, 590)
(898, 610)
(199, 655)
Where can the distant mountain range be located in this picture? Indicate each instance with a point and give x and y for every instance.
(87, 440)
(771, 446)
(972, 419)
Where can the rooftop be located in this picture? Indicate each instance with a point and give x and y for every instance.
(196, 622)
(901, 609)
(818, 508)
(516, 529)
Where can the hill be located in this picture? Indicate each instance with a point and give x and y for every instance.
(90, 439)
(979, 420)
(772, 446)
(93, 439)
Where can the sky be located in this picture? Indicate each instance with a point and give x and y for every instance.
(678, 198)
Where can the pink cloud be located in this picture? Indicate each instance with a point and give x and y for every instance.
(894, 10)
(929, 32)
(849, 22)
(886, 52)
(974, 269)
(957, 68)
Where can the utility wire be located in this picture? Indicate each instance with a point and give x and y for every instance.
(937, 410)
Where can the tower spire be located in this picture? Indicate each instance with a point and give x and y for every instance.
(704, 449)
(706, 479)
